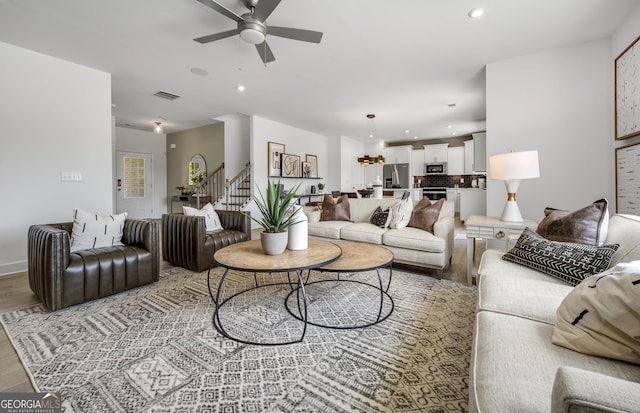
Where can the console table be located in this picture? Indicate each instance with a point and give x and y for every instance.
(491, 228)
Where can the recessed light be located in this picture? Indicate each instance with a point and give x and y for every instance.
(371, 135)
(453, 133)
(475, 13)
(199, 71)
(406, 131)
(415, 137)
(450, 126)
(240, 88)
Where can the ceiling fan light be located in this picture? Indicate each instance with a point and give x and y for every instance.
(252, 36)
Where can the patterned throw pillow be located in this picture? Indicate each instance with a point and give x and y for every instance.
(601, 316)
(587, 225)
(426, 216)
(335, 211)
(211, 218)
(567, 261)
(381, 218)
(95, 231)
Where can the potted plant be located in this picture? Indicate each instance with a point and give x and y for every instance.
(276, 217)
(321, 186)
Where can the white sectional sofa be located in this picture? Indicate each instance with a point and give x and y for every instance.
(514, 365)
(409, 245)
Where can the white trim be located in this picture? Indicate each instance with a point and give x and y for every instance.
(13, 267)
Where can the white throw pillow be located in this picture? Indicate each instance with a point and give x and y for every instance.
(211, 218)
(601, 315)
(401, 214)
(95, 231)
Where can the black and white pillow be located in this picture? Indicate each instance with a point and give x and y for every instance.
(567, 261)
(211, 218)
(381, 218)
(96, 231)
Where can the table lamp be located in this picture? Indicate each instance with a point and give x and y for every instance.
(511, 168)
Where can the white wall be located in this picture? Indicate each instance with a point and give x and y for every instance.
(133, 140)
(237, 136)
(559, 102)
(351, 174)
(297, 142)
(55, 117)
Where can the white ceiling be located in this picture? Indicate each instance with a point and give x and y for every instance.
(404, 60)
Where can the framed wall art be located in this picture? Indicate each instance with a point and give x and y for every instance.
(627, 92)
(290, 166)
(313, 164)
(306, 169)
(627, 182)
(274, 151)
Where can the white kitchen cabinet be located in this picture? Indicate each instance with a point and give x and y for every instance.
(479, 152)
(397, 154)
(468, 157)
(455, 163)
(436, 153)
(417, 162)
(473, 201)
(453, 194)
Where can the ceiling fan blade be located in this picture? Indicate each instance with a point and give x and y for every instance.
(295, 34)
(221, 9)
(265, 8)
(265, 52)
(217, 36)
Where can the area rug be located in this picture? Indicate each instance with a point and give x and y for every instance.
(155, 349)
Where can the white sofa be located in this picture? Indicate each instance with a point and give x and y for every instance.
(514, 365)
(409, 245)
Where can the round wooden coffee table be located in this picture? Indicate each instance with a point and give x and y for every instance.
(248, 257)
(356, 257)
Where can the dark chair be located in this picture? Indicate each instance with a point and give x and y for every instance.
(61, 278)
(187, 244)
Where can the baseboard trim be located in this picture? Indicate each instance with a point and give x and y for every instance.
(13, 267)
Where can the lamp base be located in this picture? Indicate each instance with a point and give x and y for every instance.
(511, 212)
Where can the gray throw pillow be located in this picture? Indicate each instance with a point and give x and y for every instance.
(567, 261)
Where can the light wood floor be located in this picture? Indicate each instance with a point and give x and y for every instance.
(15, 294)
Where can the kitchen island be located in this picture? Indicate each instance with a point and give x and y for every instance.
(416, 193)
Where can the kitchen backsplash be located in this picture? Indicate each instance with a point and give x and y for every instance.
(448, 181)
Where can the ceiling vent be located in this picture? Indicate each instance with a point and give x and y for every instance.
(166, 95)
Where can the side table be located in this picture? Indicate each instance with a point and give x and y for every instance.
(491, 228)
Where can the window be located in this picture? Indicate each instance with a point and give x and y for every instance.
(133, 177)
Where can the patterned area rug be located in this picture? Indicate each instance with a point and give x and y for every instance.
(155, 349)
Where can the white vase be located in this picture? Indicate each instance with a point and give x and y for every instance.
(274, 243)
(298, 232)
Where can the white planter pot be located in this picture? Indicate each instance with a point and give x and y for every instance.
(274, 243)
(299, 232)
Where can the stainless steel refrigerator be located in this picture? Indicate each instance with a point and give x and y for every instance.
(388, 172)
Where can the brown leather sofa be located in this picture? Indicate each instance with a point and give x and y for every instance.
(61, 278)
(186, 243)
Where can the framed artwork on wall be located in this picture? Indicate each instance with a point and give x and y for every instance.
(306, 169)
(313, 165)
(274, 151)
(627, 92)
(290, 166)
(627, 183)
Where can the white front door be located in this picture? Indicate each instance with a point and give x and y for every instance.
(134, 189)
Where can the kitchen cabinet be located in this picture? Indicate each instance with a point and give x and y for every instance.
(455, 163)
(473, 201)
(453, 194)
(397, 154)
(436, 153)
(479, 152)
(468, 157)
(417, 162)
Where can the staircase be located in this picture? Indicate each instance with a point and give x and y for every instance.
(230, 194)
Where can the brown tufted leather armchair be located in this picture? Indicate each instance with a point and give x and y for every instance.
(61, 278)
(186, 243)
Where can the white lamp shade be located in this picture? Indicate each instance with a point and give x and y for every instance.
(514, 165)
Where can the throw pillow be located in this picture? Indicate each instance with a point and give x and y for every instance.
(211, 218)
(601, 316)
(584, 226)
(425, 217)
(567, 261)
(95, 231)
(335, 211)
(381, 218)
(401, 214)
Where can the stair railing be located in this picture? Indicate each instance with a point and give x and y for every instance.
(214, 185)
(238, 189)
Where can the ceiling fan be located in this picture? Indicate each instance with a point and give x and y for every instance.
(253, 29)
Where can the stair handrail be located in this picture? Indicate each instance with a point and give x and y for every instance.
(213, 184)
(232, 186)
